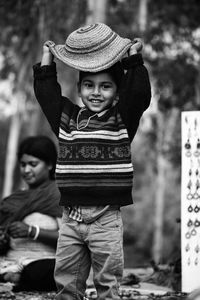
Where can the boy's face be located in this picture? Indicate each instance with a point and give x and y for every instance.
(97, 91)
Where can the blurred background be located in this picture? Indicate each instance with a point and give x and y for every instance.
(170, 30)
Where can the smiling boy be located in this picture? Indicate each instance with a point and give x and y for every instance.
(97, 91)
(94, 169)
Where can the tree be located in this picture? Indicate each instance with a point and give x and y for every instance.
(96, 11)
(172, 54)
(25, 25)
(170, 30)
(175, 95)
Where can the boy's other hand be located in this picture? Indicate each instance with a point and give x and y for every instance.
(46, 49)
(47, 56)
(136, 46)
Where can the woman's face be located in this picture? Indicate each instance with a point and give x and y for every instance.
(33, 170)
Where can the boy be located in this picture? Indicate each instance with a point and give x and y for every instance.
(94, 169)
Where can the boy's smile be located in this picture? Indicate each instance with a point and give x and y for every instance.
(97, 91)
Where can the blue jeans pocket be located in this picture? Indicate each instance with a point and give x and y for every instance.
(66, 219)
(111, 220)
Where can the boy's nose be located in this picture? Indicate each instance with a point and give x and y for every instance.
(96, 90)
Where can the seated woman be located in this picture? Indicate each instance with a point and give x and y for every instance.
(29, 220)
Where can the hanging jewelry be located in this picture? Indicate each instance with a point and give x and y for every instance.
(193, 232)
(196, 209)
(196, 195)
(188, 261)
(188, 144)
(190, 223)
(188, 235)
(190, 208)
(187, 248)
(189, 185)
(197, 249)
(196, 223)
(188, 148)
(196, 261)
(198, 168)
(197, 152)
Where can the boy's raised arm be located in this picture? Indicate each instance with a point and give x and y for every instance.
(135, 94)
(47, 56)
(47, 89)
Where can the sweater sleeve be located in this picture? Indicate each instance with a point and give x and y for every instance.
(48, 94)
(135, 94)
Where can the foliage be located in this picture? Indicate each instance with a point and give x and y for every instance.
(171, 53)
(25, 25)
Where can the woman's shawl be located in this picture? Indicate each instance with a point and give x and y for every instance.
(44, 199)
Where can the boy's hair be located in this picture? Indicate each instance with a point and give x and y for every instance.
(41, 147)
(116, 72)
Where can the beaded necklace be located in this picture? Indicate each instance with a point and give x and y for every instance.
(88, 120)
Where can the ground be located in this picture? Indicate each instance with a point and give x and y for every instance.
(139, 284)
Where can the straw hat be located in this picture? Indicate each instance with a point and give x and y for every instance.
(92, 48)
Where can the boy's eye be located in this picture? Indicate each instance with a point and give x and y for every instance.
(106, 86)
(87, 84)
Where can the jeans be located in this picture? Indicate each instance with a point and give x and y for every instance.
(81, 245)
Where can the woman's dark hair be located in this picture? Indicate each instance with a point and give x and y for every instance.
(41, 147)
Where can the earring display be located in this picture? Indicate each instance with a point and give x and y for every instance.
(190, 200)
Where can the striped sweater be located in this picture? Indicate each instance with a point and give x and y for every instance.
(94, 164)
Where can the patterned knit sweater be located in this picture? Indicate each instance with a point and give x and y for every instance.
(94, 166)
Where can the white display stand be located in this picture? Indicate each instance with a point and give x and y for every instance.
(190, 201)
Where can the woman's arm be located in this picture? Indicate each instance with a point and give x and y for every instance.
(19, 229)
(48, 237)
(4, 241)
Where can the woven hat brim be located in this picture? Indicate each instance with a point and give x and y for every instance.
(95, 61)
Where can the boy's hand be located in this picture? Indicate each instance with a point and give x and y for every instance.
(46, 49)
(47, 56)
(136, 47)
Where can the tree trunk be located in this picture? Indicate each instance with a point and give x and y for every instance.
(197, 89)
(43, 34)
(159, 208)
(97, 11)
(17, 118)
(142, 15)
(11, 156)
(166, 127)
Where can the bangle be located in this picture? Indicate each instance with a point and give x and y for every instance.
(29, 230)
(37, 232)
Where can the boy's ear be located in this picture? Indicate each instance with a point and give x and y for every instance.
(117, 96)
(79, 88)
(50, 167)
